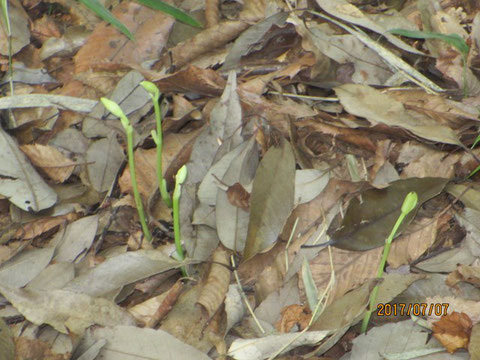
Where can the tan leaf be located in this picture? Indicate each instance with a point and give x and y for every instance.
(216, 286)
(50, 160)
(410, 247)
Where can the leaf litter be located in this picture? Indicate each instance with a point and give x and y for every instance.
(297, 128)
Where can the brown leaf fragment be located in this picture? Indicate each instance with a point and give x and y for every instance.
(469, 274)
(50, 160)
(238, 196)
(453, 331)
(294, 315)
(212, 13)
(107, 47)
(202, 43)
(216, 287)
(192, 79)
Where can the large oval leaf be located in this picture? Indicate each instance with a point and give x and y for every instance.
(272, 198)
(371, 216)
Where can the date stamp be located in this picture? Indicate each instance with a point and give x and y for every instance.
(416, 309)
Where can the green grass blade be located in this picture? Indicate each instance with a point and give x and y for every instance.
(454, 40)
(6, 19)
(106, 15)
(172, 11)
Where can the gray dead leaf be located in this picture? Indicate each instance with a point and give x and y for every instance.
(46, 100)
(22, 74)
(104, 158)
(20, 270)
(389, 338)
(351, 14)
(250, 37)
(226, 115)
(310, 183)
(129, 94)
(121, 270)
(234, 306)
(66, 311)
(262, 348)
(7, 343)
(77, 239)
(130, 342)
(54, 276)
(377, 107)
(19, 181)
(207, 191)
(232, 221)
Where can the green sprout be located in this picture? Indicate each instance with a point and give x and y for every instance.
(115, 109)
(408, 205)
(154, 93)
(179, 180)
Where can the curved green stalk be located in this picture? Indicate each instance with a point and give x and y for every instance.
(118, 112)
(157, 136)
(179, 179)
(408, 205)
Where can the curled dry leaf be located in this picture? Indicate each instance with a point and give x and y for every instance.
(238, 196)
(216, 286)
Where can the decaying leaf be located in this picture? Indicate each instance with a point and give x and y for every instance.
(377, 107)
(453, 331)
(371, 216)
(271, 199)
(66, 311)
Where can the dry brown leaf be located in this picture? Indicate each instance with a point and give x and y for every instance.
(238, 196)
(294, 315)
(352, 268)
(216, 286)
(201, 81)
(411, 246)
(152, 311)
(50, 160)
(107, 47)
(176, 151)
(453, 331)
(212, 13)
(44, 224)
(202, 43)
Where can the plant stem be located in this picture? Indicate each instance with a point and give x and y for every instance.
(179, 179)
(136, 193)
(409, 204)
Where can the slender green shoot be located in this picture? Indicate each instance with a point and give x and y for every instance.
(179, 180)
(157, 136)
(115, 109)
(408, 205)
(105, 14)
(454, 40)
